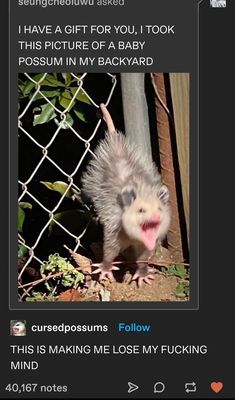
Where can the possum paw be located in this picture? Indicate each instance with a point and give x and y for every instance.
(144, 274)
(105, 269)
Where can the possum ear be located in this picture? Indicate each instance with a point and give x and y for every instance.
(163, 194)
(127, 196)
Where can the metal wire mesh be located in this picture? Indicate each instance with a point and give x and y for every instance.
(47, 155)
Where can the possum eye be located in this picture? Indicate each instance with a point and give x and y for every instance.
(141, 210)
(159, 208)
(126, 197)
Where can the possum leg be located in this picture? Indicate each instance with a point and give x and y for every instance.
(144, 273)
(111, 251)
(105, 269)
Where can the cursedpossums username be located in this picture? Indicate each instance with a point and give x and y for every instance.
(131, 202)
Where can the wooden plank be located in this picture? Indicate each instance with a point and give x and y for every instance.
(174, 237)
(180, 98)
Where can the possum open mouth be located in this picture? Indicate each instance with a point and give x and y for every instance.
(149, 233)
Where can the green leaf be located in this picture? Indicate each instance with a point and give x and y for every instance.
(80, 115)
(182, 290)
(49, 80)
(21, 213)
(68, 121)
(47, 93)
(22, 250)
(55, 264)
(24, 204)
(65, 100)
(60, 187)
(73, 220)
(181, 271)
(21, 218)
(81, 96)
(179, 291)
(29, 85)
(37, 296)
(67, 77)
(178, 270)
(36, 109)
(47, 113)
(21, 87)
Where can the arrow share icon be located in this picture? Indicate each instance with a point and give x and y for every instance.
(132, 387)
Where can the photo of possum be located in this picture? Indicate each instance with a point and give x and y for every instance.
(130, 200)
(18, 328)
(103, 187)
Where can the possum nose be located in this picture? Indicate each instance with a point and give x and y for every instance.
(155, 218)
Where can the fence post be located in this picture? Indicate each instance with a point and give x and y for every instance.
(135, 110)
(180, 99)
(167, 167)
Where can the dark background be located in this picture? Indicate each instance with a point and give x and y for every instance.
(212, 323)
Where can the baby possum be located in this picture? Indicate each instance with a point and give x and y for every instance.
(130, 200)
(18, 329)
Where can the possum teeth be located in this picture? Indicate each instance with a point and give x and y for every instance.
(149, 225)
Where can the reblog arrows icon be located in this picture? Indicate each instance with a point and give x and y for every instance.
(132, 387)
(190, 387)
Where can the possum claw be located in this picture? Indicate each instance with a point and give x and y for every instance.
(106, 269)
(144, 274)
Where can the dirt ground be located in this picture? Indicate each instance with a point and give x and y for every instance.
(169, 284)
(162, 289)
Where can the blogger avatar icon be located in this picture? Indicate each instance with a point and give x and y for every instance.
(18, 328)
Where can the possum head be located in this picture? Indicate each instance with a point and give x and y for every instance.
(18, 328)
(145, 219)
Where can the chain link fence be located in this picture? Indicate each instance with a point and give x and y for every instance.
(61, 116)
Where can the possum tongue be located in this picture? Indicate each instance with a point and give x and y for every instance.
(149, 234)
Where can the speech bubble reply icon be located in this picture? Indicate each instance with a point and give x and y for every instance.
(159, 387)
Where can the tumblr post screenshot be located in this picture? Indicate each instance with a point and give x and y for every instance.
(117, 275)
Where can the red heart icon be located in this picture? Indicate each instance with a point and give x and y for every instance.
(216, 386)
